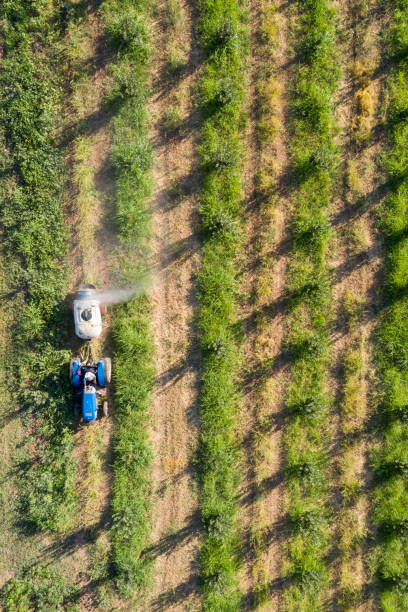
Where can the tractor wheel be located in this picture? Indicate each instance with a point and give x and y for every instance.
(77, 409)
(103, 309)
(107, 370)
(71, 369)
(105, 409)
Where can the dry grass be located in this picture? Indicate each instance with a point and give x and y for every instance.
(359, 170)
(176, 253)
(365, 95)
(85, 204)
(352, 573)
(355, 179)
(354, 401)
(354, 305)
(361, 72)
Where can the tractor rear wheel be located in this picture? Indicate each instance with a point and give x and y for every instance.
(105, 409)
(107, 370)
(77, 409)
(103, 309)
(71, 369)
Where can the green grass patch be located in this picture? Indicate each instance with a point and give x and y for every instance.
(40, 587)
(390, 510)
(34, 239)
(315, 160)
(221, 95)
(133, 372)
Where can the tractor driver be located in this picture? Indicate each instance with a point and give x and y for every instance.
(89, 378)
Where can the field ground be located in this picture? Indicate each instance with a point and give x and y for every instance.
(176, 534)
(276, 130)
(264, 285)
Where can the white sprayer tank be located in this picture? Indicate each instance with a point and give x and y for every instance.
(87, 315)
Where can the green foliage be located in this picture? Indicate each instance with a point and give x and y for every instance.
(39, 588)
(311, 231)
(315, 162)
(34, 242)
(306, 406)
(131, 502)
(221, 95)
(173, 120)
(393, 338)
(220, 92)
(128, 82)
(306, 345)
(132, 367)
(390, 460)
(128, 33)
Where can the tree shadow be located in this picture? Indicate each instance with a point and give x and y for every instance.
(354, 263)
(175, 596)
(91, 124)
(256, 596)
(168, 544)
(174, 540)
(178, 252)
(267, 485)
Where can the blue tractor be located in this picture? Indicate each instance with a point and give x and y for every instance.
(90, 380)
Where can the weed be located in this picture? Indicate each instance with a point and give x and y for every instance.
(131, 159)
(221, 95)
(176, 60)
(307, 407)
(33, 233)
(126, 84)
(39, 587)
(354, 308)
(391, 494)
(128, 33)
(314, 167)
(173, 120)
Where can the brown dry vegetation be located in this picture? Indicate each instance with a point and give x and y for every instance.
(356, 267)
(265, 267)
(175, 254)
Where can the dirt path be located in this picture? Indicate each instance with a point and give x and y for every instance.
(176, 255)
(265, 277)
(89, 216)
(357, 265)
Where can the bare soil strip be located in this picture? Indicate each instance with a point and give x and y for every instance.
(90, 218)
(357, 265)
(264, 282)
(176, 256)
